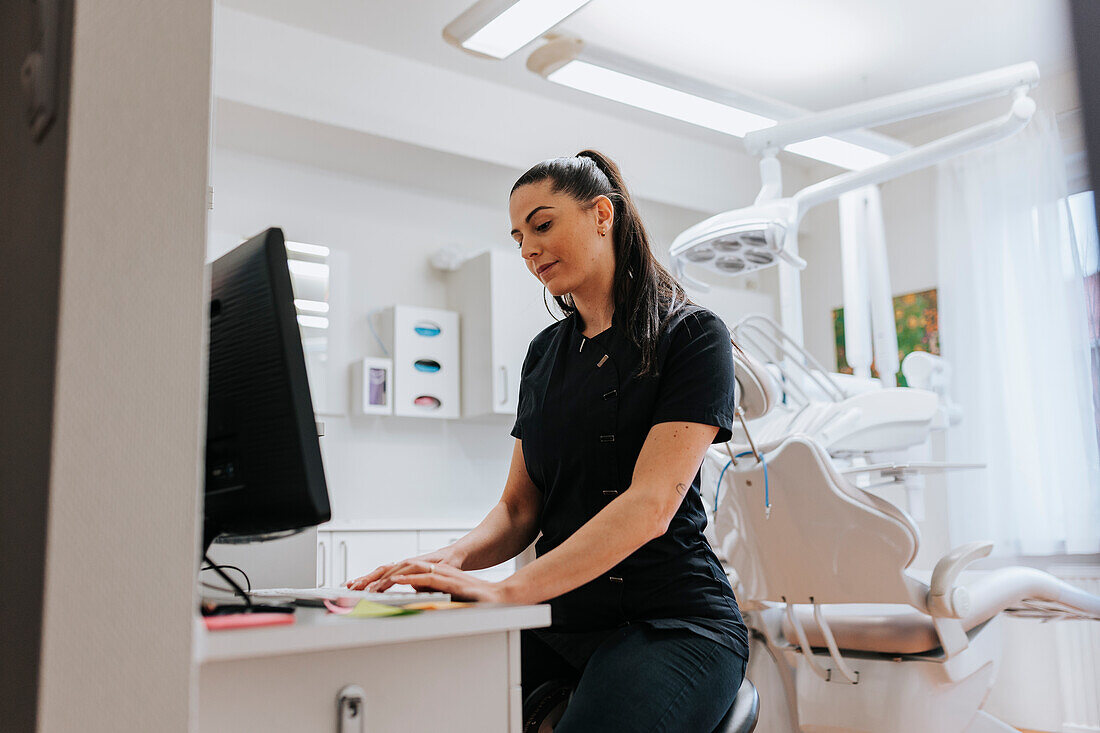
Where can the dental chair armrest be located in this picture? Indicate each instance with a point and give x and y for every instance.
(944, 598)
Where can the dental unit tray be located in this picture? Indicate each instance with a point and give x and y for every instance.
(898, 473)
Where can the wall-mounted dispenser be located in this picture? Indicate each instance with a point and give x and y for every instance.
(424, 344)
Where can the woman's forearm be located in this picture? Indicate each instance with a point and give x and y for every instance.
(504, 533)
(619, 529)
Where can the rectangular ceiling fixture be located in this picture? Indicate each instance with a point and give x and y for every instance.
(499, 28)
(595, 71)
(663, 100)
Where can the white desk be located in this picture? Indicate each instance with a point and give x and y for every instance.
(456, 670)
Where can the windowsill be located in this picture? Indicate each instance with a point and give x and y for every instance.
(1039, 562)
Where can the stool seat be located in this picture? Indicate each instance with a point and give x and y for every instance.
(545, 706)
(742, 715)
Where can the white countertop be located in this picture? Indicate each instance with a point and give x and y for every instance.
(317, 630)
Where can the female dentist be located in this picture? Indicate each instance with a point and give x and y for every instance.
(618, 403)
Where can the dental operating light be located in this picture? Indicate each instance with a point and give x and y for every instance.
(573, 63)
(499, 28)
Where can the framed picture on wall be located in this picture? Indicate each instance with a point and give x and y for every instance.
(918, 325)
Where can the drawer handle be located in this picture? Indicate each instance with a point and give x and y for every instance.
(344, 546)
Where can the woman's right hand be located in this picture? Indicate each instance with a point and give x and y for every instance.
(379, 579)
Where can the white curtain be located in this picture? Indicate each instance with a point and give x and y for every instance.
(1013, 326)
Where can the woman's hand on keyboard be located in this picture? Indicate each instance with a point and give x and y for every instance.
(461, 585)
(381, 577)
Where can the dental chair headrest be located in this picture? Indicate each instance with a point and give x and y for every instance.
(755, 390)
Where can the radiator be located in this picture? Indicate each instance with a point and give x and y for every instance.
(1078, 648)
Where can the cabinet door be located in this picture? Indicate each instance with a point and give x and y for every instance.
(433, 539)
(324, 559)
(518, 314)
(357, 553)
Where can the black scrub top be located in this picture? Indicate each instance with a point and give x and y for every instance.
(583, 416)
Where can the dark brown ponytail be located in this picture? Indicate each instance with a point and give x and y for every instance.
(646, 295)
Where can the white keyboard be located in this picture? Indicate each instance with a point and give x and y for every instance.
(392, 598)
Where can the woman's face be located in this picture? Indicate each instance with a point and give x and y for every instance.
(560, 240)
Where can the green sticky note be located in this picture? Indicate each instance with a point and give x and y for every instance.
(370, 609)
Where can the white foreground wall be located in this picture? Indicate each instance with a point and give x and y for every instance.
(125, 472)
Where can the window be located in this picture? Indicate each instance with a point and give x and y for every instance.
(1082, 212)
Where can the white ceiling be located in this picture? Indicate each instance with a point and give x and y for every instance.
(812, 53)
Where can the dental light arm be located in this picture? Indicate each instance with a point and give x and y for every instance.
(758, 236)
(895, 107)
(1023, 107)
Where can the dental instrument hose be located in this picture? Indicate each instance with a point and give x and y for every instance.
(767, 498)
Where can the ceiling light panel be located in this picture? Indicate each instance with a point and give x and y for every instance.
(499, 29)
(599, 71)
(657, 98)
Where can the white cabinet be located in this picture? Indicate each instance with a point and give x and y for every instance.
(502, 309)
(346, 554)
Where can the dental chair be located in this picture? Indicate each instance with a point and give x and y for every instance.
(822, 575)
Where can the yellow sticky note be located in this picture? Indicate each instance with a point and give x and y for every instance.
(436, 605)
(370, 609)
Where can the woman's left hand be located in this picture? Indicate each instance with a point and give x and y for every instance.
(462, 586)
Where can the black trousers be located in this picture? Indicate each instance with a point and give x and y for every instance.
(636, 678)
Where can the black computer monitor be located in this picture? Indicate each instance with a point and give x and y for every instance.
(264, 477)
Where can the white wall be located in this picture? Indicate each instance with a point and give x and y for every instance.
(382, 468)
(122, 537)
